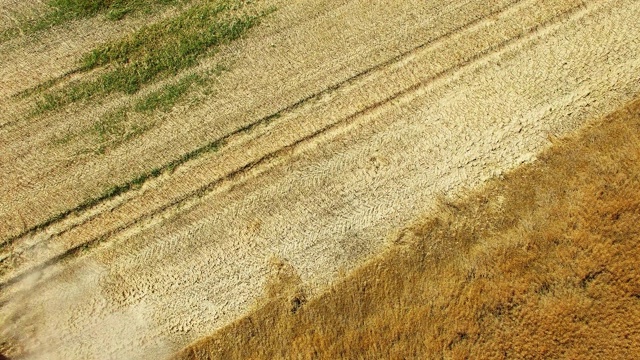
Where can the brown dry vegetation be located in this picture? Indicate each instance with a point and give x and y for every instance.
(540, 264)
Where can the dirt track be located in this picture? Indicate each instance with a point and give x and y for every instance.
(374, 136)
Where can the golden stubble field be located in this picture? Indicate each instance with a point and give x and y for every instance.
(334, 126)
(541, 263)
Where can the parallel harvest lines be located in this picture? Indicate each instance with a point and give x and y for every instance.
(360, 80)
(319, 114)
(179, 136)
(324, 186)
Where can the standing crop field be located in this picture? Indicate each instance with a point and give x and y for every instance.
(161, 160)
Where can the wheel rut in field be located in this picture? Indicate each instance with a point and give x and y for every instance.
(389, 79)
(354, 80)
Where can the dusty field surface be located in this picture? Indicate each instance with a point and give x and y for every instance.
(338, 124)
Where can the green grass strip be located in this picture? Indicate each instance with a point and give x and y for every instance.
(58, 12)
(119, 126)
(158, 50)
(166, 98)
(63, 11)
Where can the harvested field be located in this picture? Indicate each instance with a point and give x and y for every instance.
(539, 264)
(134, 222)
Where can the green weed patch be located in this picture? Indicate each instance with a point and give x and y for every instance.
(126, 123)
(63, 11)
(156, 51)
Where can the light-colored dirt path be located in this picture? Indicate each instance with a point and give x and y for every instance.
(321, 186)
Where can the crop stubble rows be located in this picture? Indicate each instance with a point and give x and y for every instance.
(249, 94)
(362, 127)
(333, 107)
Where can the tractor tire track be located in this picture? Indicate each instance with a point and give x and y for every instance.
(46, 173)
(81, 244)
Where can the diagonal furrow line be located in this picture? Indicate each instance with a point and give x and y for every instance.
(91, 203)
(282, 152)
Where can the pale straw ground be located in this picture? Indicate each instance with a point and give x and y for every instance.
(382, 107)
